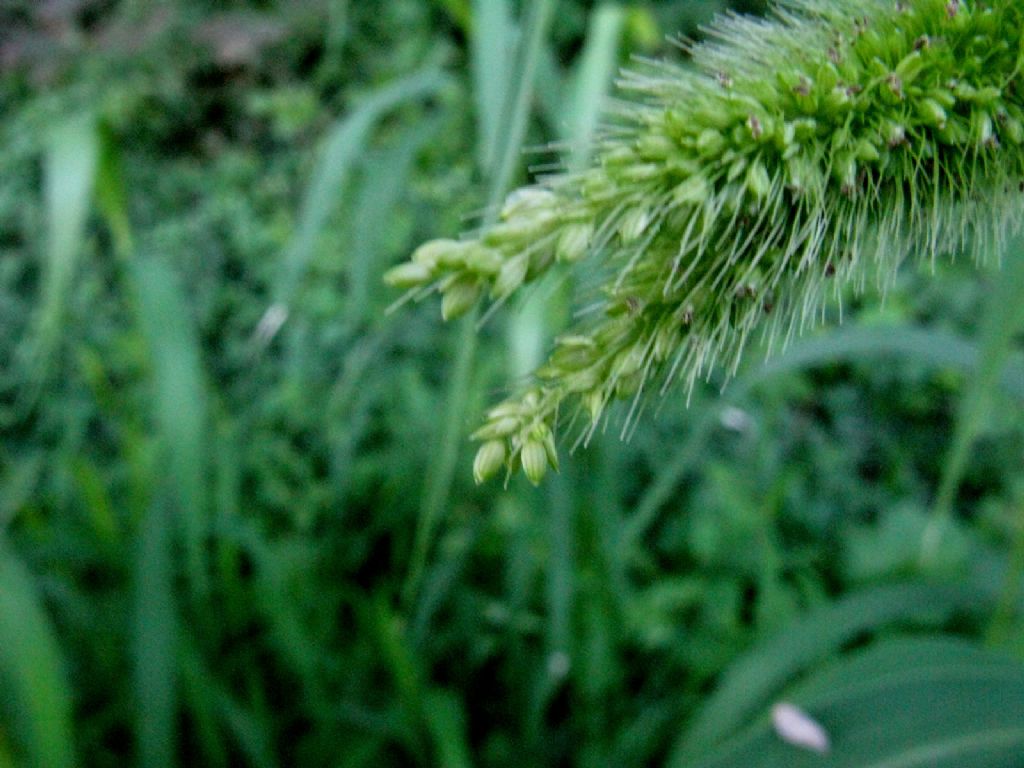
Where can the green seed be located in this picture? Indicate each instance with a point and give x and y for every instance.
(932, 112)
(510, 277)
(460, 297)
(489, 459)
(633, 225)
(535, 461)
(438, 253)
(758, 183)
(573, 242)
(693, 191)
(497, 427)
(408, 275)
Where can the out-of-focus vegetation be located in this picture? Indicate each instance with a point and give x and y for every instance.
(237, 519)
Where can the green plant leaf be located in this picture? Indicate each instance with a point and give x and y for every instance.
(69, 173)
(458, 10)
(765, 670)
(446, 721)
(442, 470)
(493, 43)
(593, 79)
(903, 703)
(344, 146)
(180, 500)
(155, 637)
(32, 678)
(1002, 321)
(385, 182)
(179, 402)
(516, 111)
(112, 193)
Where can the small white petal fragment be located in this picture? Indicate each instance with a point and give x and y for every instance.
(271, 323)
(737, 420)
(796, 727)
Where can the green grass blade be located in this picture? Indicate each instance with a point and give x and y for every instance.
(901, 704)
(1002, 321)
(442, 469)
(552, 90)
(97, 502)
(406, 673)
(344, 146)
(441, 474)
(896, 659)
(385, 180)
(217, 713)
(936, 348)
(179, 402)
(561, 596)
(32, 675)
(275, 565)
(520, 95)
(446, 720)
(69, 174)
(198, 697)
(180, 501)
(933, 347)
(155, 637)
(112, 194)
(458, 10)
(493, 41)
(593, 80)
(765, 670)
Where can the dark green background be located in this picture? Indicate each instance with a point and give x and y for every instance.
(223, 549)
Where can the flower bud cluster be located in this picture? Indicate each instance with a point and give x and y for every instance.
(534, 229)
(803, 153)
(517, 434)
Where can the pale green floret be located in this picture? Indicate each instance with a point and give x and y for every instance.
(574, 242)
(437, 253)
(535, 461)
(511, 275)
(489, 459)
(408, 275)
(634, 224)
(460, 296)
(806, 151)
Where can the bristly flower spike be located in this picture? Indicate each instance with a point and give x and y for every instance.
(816, 148)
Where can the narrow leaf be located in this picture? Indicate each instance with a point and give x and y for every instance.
(32, 676)
(493, 46)
(763, 671)
(69, 173)
(179, 402)
(344, 145)
(593, 80)
(905, 703)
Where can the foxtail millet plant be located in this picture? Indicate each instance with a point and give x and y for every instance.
(813, 149)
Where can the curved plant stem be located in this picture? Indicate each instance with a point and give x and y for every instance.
(442, 471)
(1003, 320)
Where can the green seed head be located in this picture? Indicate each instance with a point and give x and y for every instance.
(437, 253)
(459, 297)
(838, 138)
(510, 277)
(574, 241)
(408, 275)
(534, 458)
(490, 457)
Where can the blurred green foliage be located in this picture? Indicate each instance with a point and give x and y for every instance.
(237, 521)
